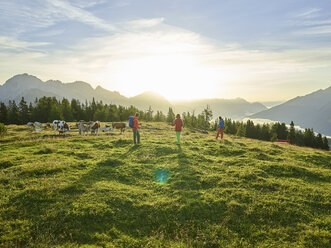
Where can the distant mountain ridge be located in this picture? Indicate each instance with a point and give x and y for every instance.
(309, 111)
(230, 108)
(30, 87)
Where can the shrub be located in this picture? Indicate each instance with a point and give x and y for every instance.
(3, 130)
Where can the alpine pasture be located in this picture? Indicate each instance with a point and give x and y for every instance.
(102, 191)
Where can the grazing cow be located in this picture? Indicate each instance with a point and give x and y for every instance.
(30, 124)
(95, 127)
(119, 125)
(48, 125)
(83, 128)
(38, 124)
(61, 127)
(106, 128)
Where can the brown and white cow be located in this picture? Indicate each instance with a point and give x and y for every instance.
(119, 125)
(95, 127)
(61, 127)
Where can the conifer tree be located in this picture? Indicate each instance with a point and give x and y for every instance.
(13, 113)
(299, 141)
(241, 130)
(326, 144)
(149, 114)
(308, 137)
(250, 130)
(101, 114)
(55, 113)
(207, 114)
(161, 117)
(23, 111)
(170, 115)
(319, 141)
(265, 132)
(121, 113)
(291, 133)
(66, 110)
(274, 137)
(113, 113)
(76, 109)
(194, 121)
(3, 113)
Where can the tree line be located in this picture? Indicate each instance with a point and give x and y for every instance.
(267, 132)
(274, 131)
(47, 109)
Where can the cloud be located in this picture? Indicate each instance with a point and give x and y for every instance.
(316, 22)
(311, 22)
(71, 12)
(15, 44)
(145, 23)
(309, 13)
(142, 52)
(87, 4)
(319, 30)
(169, 56)
(20, 17)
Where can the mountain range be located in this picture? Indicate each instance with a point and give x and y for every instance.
(309, 111)
(30, 87)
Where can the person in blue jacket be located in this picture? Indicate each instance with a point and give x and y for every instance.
(220, 127)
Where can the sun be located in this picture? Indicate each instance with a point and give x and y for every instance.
(176, 77)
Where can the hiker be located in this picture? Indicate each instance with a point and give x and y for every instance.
(178, 123)
(220, 127)
(135, 128)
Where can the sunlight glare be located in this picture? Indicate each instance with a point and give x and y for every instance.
(173, 76)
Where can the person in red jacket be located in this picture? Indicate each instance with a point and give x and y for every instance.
(178, 123)
(135, 129)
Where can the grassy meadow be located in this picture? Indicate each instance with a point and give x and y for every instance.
(102, 191)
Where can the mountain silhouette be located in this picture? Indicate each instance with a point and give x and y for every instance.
(309, 111)
(31, 87)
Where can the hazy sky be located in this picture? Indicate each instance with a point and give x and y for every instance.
(255, 49)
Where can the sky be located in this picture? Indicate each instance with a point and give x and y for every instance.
(183, 49)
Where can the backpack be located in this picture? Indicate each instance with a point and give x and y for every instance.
(131, 121)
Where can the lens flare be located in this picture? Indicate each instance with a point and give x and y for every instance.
(161, 176)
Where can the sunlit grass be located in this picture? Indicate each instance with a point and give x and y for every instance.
(104, 191)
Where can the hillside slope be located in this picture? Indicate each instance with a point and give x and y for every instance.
(309, 111)
(103, 191)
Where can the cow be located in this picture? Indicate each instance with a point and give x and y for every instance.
(61, 127)
(30, 124)
(106, 128)
(95, 127)
(48, 125)
(38, 124)
(119, 125)
(83, 128)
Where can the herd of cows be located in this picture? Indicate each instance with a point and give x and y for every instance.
(84, 127)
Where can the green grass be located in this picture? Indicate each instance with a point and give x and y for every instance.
(104, 192)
